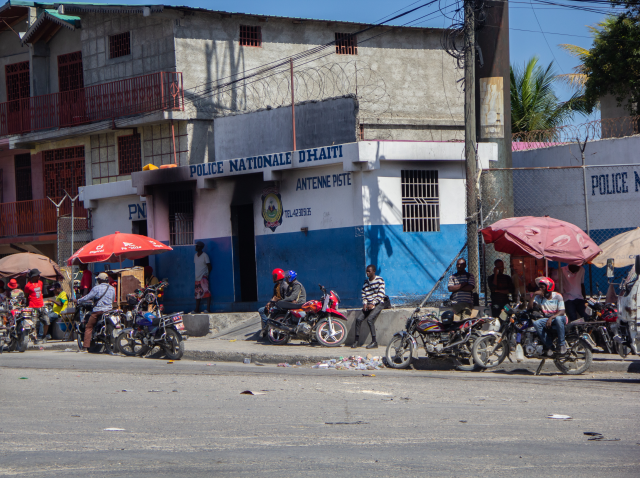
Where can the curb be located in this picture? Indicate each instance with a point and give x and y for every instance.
(529, 366)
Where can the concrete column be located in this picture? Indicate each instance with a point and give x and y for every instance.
(39, 68)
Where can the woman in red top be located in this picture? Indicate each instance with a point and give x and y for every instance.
(33, 290)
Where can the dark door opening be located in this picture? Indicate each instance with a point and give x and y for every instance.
(140, 227)
(23, 177)
(245, 251)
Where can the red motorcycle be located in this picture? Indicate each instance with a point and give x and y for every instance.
(317, 319)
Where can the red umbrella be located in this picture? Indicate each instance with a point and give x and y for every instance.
(117, 247)
(542, 238)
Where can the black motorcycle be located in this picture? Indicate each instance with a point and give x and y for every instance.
(148, 328)
(602, 319)
(440, 338)
(108, 327)
(17, 325)
(517, 329)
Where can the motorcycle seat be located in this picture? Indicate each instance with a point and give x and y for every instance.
(281, 304)
(575, 323)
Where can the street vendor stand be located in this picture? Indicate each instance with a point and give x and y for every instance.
(129, 279)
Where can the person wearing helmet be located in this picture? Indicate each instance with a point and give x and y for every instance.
(104, 295)
(551, 304)
(295, 295)
(279, 289)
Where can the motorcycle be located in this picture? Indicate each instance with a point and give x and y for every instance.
(18, 326)
(105, 332)
(440, 338)
(317, 319)
(602, 317)
(148, 328)
(517, 329)
(628, 322)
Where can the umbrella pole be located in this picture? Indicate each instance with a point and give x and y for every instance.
(546, 268)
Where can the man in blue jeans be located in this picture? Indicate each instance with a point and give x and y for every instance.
(279, 289)
(551, 304)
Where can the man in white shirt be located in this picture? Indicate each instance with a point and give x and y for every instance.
(203, 269)
(573, 291)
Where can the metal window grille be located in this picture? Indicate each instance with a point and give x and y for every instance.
(158, 143)
(23, 177)
(104, 164)
(129, 154)
(346, 44)
(17, 77)
(420, 201)
(119, 45)
(70, 75)
(181, 217)
(250, 36)
(63, 171)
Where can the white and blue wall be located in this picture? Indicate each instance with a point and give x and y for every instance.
(341, 210)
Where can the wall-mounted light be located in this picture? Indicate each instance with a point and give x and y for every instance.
(305, 230)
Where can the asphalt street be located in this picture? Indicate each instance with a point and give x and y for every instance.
(190, 419)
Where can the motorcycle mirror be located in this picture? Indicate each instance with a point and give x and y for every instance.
(637, 268)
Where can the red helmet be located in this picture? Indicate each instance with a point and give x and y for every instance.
(546, 281)
(278, 274)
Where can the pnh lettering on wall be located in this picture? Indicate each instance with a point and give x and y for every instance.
(137, 211)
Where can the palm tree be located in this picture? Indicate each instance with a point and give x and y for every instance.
(578, 79)
(534, 104)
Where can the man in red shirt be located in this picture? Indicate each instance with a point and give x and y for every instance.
(33, 290)
(85, 282)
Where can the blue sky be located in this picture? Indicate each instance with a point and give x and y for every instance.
(561, 25)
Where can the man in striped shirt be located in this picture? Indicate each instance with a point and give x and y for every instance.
(373, 298)
(461, 284)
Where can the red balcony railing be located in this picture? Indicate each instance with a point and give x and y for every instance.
(142, 94)
(38, 216)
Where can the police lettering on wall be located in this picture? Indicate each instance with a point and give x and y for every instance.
(271, 208)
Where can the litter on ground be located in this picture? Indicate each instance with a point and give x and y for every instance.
(352, 363)
(559, 417)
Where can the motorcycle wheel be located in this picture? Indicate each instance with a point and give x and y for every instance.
(94, 348)
(623, 350)
(22, 343)
(463, 359)
(174, 349)
(577, 360)
(488, 353)
(129, 346)
(277, 337)
(399, 352)
(331, 338)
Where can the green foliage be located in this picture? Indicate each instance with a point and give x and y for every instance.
(534, 104)
(613, 64)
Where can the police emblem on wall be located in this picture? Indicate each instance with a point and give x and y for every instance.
(271, 208)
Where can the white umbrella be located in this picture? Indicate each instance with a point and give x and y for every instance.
(622, 248)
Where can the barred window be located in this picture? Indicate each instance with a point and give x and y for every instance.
(70, 76)
(346, 44)
(181, 217)
(17, 76)
(63, 171)
(250, 36)
(129, 154)
(119, 45)
(420, 201)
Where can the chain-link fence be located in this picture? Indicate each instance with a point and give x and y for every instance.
(601, 200)
(72, 235)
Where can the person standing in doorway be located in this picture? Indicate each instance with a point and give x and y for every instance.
(86, 281)
(573, 291)
(373, 297)
(500, 286)
(461, 284)
(203, 269)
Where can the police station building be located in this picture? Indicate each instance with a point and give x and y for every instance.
(324, 212)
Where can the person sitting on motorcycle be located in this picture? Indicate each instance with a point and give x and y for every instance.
(296, 295)
(104, 296)
(33, 291)
(551, 304)
(279, 289)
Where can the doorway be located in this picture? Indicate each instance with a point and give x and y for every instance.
(244, 253)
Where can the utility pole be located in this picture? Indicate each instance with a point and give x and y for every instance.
(470, 138)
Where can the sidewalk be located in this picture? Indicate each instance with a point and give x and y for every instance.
(220, 350)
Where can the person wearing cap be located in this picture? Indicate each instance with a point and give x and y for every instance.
(104, 295)
(15, 288)
(59, 303)
(203, 269)
(33, 291)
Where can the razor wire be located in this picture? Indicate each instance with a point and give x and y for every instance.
(271, 89)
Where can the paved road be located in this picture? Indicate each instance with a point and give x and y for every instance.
(397, 423)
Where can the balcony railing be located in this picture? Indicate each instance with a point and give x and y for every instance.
(142, 94)
(38, 216)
